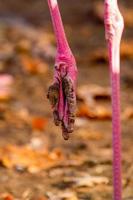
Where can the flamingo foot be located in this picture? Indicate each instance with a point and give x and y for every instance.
(61, 94)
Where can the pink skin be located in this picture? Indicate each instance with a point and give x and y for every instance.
(66, 67)
(62, 92)
(114, 26)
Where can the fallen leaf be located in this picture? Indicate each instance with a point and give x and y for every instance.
(66, 195)
(128, 113)
(23, 46)
(39, 123)
(126, 49)
(99, 55)
(84, 111)
(90, 181)
(75, 160)
(33, 65)
(80, 122)
(95, 112)
(6, 197)
(85, 134)
(25, 157)
(91, 93)
(41, 198)
(103, 112)
(24, 115)
(26, 194)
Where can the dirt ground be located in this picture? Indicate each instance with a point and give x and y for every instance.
(81, 168)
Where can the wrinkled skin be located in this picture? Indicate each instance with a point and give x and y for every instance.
(61, 93)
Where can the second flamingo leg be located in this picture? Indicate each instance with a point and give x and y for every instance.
(114, 27)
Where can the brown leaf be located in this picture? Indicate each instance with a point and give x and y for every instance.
(91, 93)
(6, 197)
(128, 113)
(90, 181)
(127, 49)
(99, 55)
(83, 111)
(103, 112)
(33, 65)
(85, 134)
(41, 198)
(95, 112)
(39, 123)
(81, 122)
(65, 195)
(23, 46)
(25, 157)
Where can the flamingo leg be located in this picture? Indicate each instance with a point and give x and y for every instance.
(61, 93)
(114, 26)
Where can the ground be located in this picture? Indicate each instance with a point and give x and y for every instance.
(35, 162)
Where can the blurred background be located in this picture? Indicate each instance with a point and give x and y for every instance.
(35, 162)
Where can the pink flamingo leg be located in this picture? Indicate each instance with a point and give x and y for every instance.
(114, 27)
(62, 43)
(61, 93)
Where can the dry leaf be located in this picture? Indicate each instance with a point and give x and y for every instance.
(39, 123)
(128, 113)
(127, 49)
(84, 111)
(25, 157)
(90, 181)
(23, 46)
(95, 112)
(80, 122)
(6, 197)
(102, 112)
(90, 93)
(33, 65)
(41, 198)
(65, 195)
(24, 115)
(85, 134)
(99, 55)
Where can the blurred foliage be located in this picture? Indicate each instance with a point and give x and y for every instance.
(35, 163)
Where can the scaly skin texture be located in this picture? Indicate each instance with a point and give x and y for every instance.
(114, 27)
(61, 93)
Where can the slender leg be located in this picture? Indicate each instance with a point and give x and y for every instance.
(61, 93)
(62, 44)
(114, 27)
